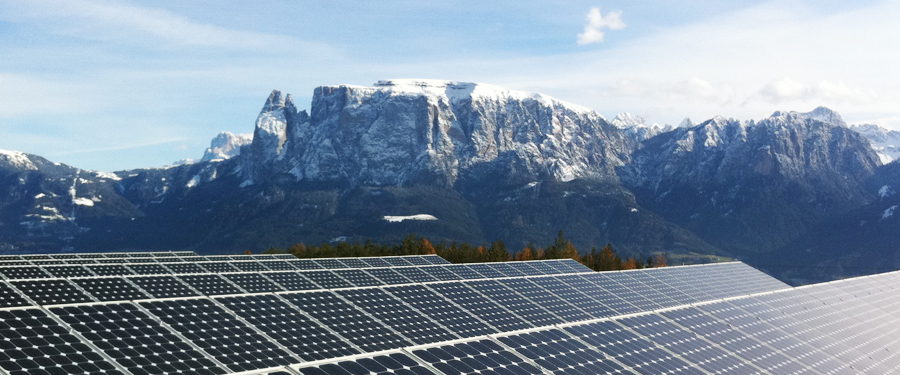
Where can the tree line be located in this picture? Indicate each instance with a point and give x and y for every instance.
(605, 259)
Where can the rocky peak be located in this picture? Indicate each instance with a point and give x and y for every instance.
(226, 145)
(825, 115)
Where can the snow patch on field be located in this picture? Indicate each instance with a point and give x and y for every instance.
(83, 201)
(397, 219)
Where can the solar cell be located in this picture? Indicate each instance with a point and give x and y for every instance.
(211, 284)
(388, 276)
(348, 321)
(163, 286)
(546, 299)
(642, 289)
(606, 281)
(478, 305)
(485, 270)
(327, 279)
(68, 271)
(109, 270)
(434, 259)
(253, 282)
(47, 262)
(36, 344)
(515, 302)
(415, 274)
(417, 260)
(110, 289)
(285, 324)
(475, 357)
(396, 363)
(525, 268)
(220, 334)
(358, 277)
(438, 308)
(505, 269)
(9, 297)
(544, 267)
(23, 272)
(80, 261)
(243, 258)
(608, 298)
(135, 340)
(10, 257)
(574, 265)
(36, 256)
(51, 291)
(15, 263)
(304, 264)
(559, 353)
(292, 281)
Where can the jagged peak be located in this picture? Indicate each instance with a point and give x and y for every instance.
(275, 101)
(822, 114)
(626, 120)
(686, 123)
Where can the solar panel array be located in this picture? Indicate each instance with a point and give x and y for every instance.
(181, 313)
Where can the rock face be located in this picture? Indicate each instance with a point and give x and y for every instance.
(885, 142)
(406, 132)
(636, 127)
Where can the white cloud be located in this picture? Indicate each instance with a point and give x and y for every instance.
(596, 23)
(787, 90)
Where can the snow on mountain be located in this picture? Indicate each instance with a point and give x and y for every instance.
(402, 132)
(636, 127)
(825, 115)
(885, 142)
(226, 145)
(17, 159)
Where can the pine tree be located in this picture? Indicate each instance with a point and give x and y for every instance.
(630, 264)
(608, 259)
(661, 260)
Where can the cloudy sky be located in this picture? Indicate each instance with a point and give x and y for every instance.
(111, 85)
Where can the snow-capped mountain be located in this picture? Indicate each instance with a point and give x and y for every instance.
(885, 142)
(636, 127)
(485, 162)
(226, 145)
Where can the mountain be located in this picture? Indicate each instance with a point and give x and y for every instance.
(885, 142)
(751, 187)
(479, 161)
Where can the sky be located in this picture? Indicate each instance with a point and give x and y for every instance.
(114, 85)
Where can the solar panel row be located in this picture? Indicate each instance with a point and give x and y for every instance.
(257, 331)
(190, 257)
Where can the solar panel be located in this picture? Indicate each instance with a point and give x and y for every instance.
(559, 353)
(388, 276)
(575, 297)
(250, 266)
(182, 268)
(505, 269)
(348, 321)
(525, 268)
(68, 271)
(253, 282)
(485, 309)
(519, 305)
(482, 356)
(329, 264)
(36, 344)
(135, 340)
(606, 297)
(210, 284)
(278, 265)
(109, 270)
(399, 316)
(148, 269)
(51, 291)
(375, 262)
(219, 267)
(463, 271)
(290, 328)
(23, 272)
(15, 263)
(440, 273)
(304, 264)
(644, 290)
(10, 297)
(10, 257)
(163, 286)
(438, 308)
(415, 274)
(485, 270)
(544, 267)
(353, 263)
(396, 363)
(220, 334)
(546, 299)
(608, 283)
(573, 265)
(110, 289)
(434, 259)
(417, 260)
(292, 281)
(358, 277)
(327, 279)
(397, 261)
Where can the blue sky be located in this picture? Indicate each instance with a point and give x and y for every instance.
(112, 85)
